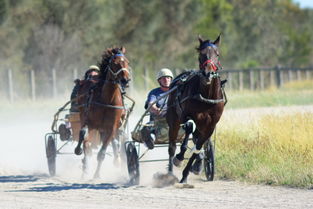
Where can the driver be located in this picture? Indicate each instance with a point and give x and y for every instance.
(164, 78)
(91, 74)
(157, 105)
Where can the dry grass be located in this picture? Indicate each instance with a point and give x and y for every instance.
(274, 148)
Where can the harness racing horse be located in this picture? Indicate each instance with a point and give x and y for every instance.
(199, 98)
(101, 106)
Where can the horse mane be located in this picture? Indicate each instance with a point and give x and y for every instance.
(105, 60)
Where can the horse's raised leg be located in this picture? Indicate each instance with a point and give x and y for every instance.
(82, 133)
(196, 151)
(189, 127)
(178, 159)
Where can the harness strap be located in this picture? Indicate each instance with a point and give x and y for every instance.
(205, 100)
(110, 106)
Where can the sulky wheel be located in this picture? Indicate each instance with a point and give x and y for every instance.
(209, 160)
(132, 163)
(51, 153)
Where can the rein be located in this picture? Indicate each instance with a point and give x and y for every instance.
(200, 98)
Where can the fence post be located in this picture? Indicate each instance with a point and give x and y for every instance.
(251, 79)
(307, 75)
(298, 75)
(10, 80)
(75, 74)
(278, 77)
(146, 77)
(272, 78)
(177, 72)
(240, 80)
(33, 85)
(289, 75)
(54, 83)
(229, 77)
(261, 79)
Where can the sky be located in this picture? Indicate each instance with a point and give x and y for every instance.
(305, 3)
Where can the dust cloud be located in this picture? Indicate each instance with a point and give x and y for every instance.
(22, 150)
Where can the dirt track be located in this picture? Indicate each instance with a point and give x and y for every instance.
(37, 191)
(24, 183)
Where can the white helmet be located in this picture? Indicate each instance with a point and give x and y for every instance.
(93, 67)
(164, 72)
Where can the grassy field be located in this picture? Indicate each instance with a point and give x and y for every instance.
(275, 149)
(295, 93)
(268, 145)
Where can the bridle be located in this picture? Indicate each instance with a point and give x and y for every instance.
(115, 74)
(215, 66)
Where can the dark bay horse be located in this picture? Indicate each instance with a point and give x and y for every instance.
(200, 98)
(102, 106)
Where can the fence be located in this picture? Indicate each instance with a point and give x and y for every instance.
(251, 79)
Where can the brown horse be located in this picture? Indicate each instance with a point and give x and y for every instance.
(102, 106)
(199, 98)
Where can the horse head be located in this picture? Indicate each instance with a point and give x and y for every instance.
(115, 66)
(209, 56)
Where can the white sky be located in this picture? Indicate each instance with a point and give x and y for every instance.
(304, 3)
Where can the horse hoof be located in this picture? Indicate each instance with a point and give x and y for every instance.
(78, 151)
(96, 176)
(183, 181)
(177, 162)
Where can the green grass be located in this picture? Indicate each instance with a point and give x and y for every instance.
(295, 93)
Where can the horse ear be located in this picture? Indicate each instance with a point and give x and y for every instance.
(200, 39)
(123, 50)
(218, 40)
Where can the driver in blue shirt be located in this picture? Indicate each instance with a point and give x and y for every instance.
(164, 78)
(157, 104)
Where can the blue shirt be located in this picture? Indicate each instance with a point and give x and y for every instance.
(153, 96)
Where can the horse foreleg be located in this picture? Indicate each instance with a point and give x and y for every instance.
(171, 152)
(87, 156)
(187, 168)
(101, 154)
(178, 159)
(173, 132)
(116, 153)
(78, 150)
(189, 128)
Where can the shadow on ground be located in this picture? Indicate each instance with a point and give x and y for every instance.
(21, 178)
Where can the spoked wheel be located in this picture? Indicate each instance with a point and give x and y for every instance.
(51, 153)
(132, 163)
(209, 160)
